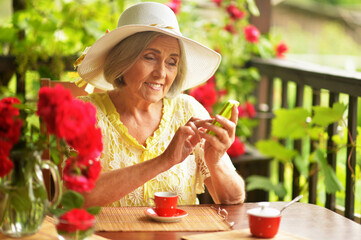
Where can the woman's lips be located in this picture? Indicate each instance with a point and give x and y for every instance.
(154, 86)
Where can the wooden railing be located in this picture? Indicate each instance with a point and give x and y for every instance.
(320, 79)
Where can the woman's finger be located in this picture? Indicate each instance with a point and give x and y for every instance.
(196, 138)
(234, 116)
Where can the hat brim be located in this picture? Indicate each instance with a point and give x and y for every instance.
(201, 61)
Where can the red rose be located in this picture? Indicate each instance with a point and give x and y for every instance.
(6, 165)
(91, 168)
(212, 80)
(49, 100)
(10, 124)
(73, 118)
(94, 170)
(251, 34)
(250, 110)
(205, 94)
(242, 111)
(78, 183)
(231, 28)
(89, 143)
(5, 148)
(218, 2)
(222, 92)
(74, 220)
(81, 174)
(247, 110)
(234, 12)
(174, 5)
(281, 48)
(10, 101)
(236, 149)
(74, 179)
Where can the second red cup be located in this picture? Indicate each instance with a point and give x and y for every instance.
(165, 203)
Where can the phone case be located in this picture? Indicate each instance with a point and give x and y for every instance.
(225, 112)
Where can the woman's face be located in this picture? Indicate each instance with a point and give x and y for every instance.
(154, 72)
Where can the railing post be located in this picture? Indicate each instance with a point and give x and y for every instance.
(331, 154)
(284, 104)
(351, 158)
(297, 144)
(312, 186)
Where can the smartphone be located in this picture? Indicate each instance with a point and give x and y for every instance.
(225, 112)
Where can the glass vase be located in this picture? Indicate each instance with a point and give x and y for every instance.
(23, 196)
(70, 231)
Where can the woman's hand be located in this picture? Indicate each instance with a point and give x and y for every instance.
(216, 146)
(224, 184)
(183, 142)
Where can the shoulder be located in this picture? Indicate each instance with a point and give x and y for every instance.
(189, 104)
(98, 99)
(182, 100)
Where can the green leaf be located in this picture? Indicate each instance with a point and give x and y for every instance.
(57, 211)
(93, 210)
(274, 149)
(7, 34)
(324, 115)
(256, 182)
(338, 140)
(71, 200)
(55, 155)
(316, 133)
(290, 123)
(332, 183)
(302, 165)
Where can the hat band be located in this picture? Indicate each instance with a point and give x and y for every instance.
(163, 26)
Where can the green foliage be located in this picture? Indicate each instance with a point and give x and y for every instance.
(207, 25)
(332, 183)
(290, 123)
(324, 116)
(93, 210)
(302, 164)
(274, 149)
(264, 183)
(301, 124)
(53, 29)
(70, 200)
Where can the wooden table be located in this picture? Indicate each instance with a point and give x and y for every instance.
(301, 219)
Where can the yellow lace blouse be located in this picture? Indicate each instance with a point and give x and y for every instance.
(121, 149)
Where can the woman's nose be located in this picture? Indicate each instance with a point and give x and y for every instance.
(159, 70)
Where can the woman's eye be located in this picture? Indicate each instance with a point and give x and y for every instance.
(149, 57)
(172, 62)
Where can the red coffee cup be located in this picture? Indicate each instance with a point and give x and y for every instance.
(165, 203)
(264, 221)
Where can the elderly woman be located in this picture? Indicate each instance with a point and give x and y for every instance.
(155, 138)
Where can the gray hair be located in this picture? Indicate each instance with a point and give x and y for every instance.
(124, 55)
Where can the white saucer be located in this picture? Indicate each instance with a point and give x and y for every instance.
(177, 217)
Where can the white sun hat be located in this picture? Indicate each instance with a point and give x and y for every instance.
(201, 62)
